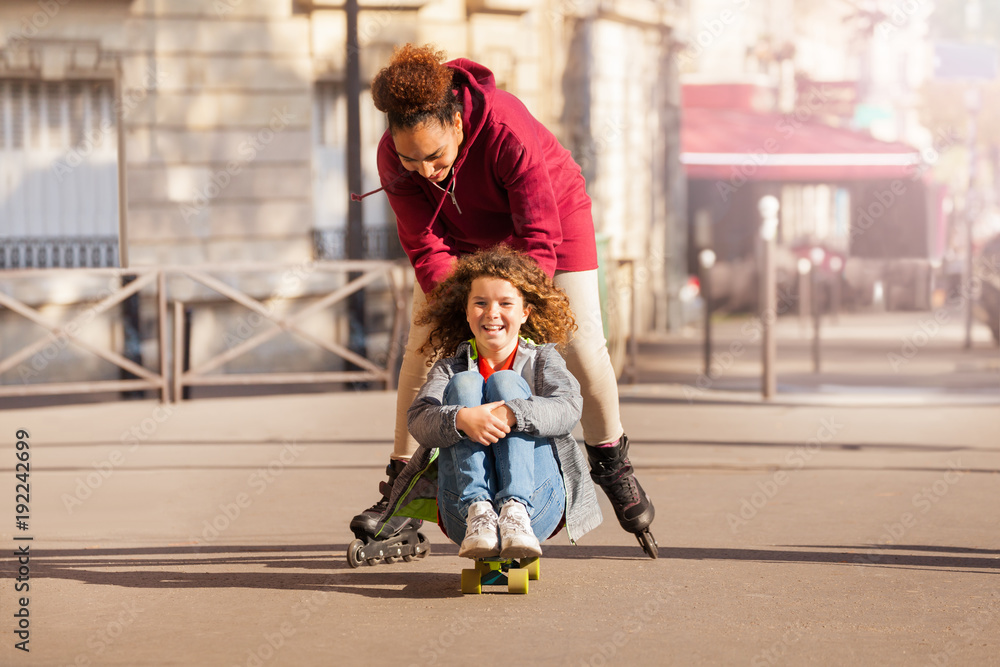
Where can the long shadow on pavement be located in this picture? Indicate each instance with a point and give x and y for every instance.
(153, 567)
(120, 567)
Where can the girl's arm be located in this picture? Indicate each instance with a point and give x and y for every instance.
(429, 421)
(556, 407)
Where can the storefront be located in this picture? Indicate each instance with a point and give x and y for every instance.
(863, 200)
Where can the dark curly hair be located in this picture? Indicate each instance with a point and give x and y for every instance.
(415, 87)
(550, 320)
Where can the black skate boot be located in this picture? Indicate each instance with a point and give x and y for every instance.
(398, 538)
(612, 471)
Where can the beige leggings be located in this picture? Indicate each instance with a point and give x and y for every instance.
(586, 357)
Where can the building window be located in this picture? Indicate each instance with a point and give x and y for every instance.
(815, 213)
(330, 191)
(58, 174)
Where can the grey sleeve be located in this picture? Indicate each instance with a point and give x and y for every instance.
(557, 404)
(429, 421)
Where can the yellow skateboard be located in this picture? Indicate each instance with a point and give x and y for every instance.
(495, 571)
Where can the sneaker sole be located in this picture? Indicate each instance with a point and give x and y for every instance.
(479, 552)
(520, 551)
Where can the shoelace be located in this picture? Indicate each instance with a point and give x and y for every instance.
(625, 492)
(515, 523)
(622, 489)
(380, 506)
(481, 523)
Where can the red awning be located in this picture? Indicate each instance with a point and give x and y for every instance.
(737, 144)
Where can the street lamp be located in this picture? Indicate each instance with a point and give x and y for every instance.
(804, 267)
(768, 209)
(972, 105)
(836, 265)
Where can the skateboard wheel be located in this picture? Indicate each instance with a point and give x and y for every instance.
(533, 566)
(471, 582)
(517, 581)
(352, 553)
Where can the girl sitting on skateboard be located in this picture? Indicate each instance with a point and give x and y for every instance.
(518, 186)
(499, 408)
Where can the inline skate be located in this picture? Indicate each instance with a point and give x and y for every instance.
(611, 469)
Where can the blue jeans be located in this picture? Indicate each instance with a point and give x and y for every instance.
(519, 466)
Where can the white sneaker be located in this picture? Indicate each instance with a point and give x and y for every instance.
(480, 532)
(516, 537)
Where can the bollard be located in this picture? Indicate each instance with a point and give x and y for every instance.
(816, 255)
(706, 260)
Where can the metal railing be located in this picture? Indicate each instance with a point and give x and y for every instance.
(122, 285)
(379, 242)
(171, 281)
(359, 275)
(58, 252)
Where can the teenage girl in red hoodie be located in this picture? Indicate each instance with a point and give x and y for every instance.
(466, 166)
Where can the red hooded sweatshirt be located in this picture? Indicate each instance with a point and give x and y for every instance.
(512, 183)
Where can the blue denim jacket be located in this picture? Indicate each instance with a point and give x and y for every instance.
(552, 411)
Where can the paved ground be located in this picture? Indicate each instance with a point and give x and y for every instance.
(851, 520)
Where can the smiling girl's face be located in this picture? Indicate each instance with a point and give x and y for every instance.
(430, 149)
(495, 312)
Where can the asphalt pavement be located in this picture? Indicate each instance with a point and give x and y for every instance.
(852, 519)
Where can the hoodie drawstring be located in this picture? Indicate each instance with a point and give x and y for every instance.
(357, 197)
(451, 190)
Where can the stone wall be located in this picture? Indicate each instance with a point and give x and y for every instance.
(217, 117)
(218, 152)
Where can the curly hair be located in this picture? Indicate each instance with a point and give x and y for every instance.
(415, 87)
(550, 320)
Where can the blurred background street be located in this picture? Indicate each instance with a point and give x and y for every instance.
(919, 355)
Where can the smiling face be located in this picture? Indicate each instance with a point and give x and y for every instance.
(495, 312)
(430, 149)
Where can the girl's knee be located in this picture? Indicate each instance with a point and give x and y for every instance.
(468, 380)
(503, 385)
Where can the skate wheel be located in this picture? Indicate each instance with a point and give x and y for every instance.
(407, 558)
(533, 566)
(423, 546)
(352, 553)
(517, 581)
(471, 582)
(371, 561)
(390, 559)
(648, 543)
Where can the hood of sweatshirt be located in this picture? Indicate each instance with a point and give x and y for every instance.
(475, 86)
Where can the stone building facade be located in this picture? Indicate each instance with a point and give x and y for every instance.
(199, 132)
